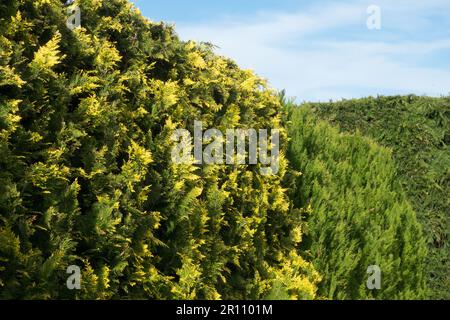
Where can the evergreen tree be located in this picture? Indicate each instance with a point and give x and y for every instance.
(86, 176)
(358, 215)
(418, 131)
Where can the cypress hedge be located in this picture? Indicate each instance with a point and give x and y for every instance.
(86, 177)
(418, 131)
(358, 214)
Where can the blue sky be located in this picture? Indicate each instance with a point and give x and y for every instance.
(322, 50)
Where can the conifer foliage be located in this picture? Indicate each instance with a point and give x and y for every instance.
(358, 215)
(418, 131)
(86, 176)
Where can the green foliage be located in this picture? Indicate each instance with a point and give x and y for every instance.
(358, 213)
(86, 176)
(418, 131)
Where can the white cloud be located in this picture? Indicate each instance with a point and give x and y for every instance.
(309, 54)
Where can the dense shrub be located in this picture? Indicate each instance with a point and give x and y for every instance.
(418, 131)
(358, 215)
(86, 176)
